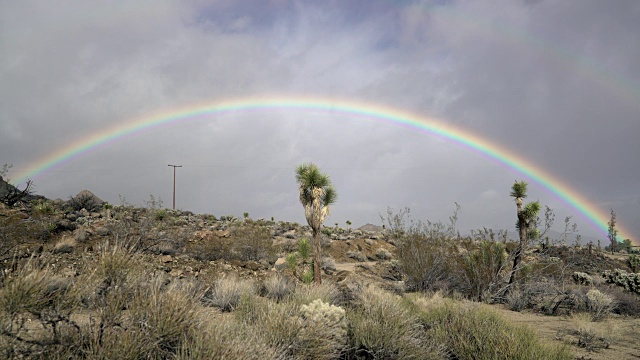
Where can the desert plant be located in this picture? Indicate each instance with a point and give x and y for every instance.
(277, 287)
(252, 242)
(583, 332)
(472, 331)
(582, 278)
(316, 195)
(383, 254)
(357, 255)
(10, 195)
(599, 304)
(526, 225)
(227, 292)
(34, 294)
(629, 281)
(483, 268)
(378, 315)
(612, 233)
(324, 330)
(304, 249)
(65, 245)
(634, 262)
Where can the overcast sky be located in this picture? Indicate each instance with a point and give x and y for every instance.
(556, 82)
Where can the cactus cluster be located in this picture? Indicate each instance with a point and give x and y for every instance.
(630, 281)
(582, 278)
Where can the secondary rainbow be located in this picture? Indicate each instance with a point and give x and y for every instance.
(595, 216)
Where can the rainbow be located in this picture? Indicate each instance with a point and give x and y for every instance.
(595, 216)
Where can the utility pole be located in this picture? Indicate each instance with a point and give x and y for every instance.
(174, 184)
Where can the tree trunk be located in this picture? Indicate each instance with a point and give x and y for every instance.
(317, 278)
(522, 227)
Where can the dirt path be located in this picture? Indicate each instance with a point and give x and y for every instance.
(350, 266)
(626, 344)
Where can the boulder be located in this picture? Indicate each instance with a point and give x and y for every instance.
(280, 264)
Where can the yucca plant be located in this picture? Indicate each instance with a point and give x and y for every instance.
(526, 225)
(316, 195)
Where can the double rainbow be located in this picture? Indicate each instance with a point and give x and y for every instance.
(593, 214)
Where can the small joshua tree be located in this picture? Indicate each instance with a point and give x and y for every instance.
(526, 225)
(348, 225)
(613, 232)
(316, 195)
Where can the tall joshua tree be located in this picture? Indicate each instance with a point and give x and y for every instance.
(526, 225)
(316, 195)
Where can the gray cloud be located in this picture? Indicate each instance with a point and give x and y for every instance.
(556, 82)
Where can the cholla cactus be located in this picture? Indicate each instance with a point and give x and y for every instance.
(325, 329)
(630, 281)
(582, 278)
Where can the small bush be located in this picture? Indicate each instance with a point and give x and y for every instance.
(383, 254)
(381, 327)
(277, 287)
(357, 255)
(304, 248)
(65, 245)
(627, 303)
(599, 304)
(227, 292)
(583, 332)
(252, 242)
(324, 331)
(474, 332)
(517, 300)
(483, 269)
(305, 294)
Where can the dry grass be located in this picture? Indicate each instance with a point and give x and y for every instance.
(226, 292)
(584, 332)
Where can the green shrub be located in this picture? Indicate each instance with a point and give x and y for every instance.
(304, 248)
(382, 327)
(475, 332)
(483, 269)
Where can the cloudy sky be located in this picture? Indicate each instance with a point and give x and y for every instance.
(555, 82)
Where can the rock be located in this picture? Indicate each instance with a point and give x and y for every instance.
(280, 264)
(291, 234)
(166, 259)
(83, 213)
(177, 273)
(80, 235)
(102, 231)
(85, 199)
(72, 216)
(65, 225)
(252, 265)
(236, 263)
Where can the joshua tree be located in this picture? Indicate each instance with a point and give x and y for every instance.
(526, 225)
(316, 195)
(348, 225)
(613, 232)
